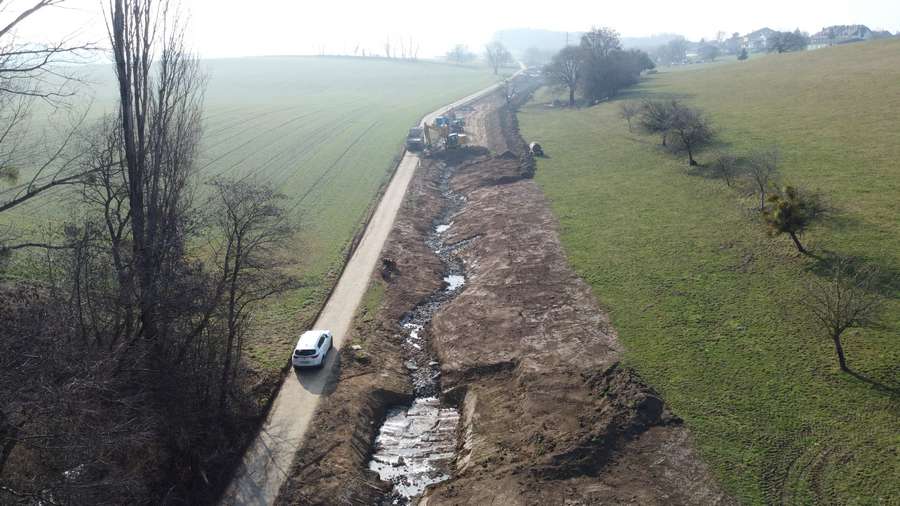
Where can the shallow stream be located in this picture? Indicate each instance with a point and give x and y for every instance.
(416, 445)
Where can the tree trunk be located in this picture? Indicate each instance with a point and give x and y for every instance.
(8, 433)
(571, 96)
(232, 318)
(797, 243)
(840, 352)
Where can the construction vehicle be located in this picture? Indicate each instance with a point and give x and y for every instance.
(455, 140)
(416, 139)
(447, 132)
(434, 135)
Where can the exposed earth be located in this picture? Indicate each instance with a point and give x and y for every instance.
(525, 353)
(265, 463)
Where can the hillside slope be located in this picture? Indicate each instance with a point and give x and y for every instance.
(707, 304)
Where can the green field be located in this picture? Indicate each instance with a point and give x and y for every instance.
(707, 304)
(326, 131)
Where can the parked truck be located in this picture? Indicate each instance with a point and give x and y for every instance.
(415, 139)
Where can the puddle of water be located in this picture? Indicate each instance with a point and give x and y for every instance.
(415, 447)
(413, 330)
(454, 282)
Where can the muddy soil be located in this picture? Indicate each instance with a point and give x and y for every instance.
(415, 446)
(331, 465)
(546, 412)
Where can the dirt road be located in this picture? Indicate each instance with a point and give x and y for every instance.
(263, 469)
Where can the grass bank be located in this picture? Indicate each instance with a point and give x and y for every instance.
(707, 304)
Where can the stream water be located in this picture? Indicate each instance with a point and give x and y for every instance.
(416, 445)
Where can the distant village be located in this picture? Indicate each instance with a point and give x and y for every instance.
(679, 51)
(536, 47)
(829, 36)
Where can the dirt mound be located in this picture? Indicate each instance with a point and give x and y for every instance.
(548, 415)
(522, 303)
(625, 408)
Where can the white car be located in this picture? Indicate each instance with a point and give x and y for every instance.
(311, 349)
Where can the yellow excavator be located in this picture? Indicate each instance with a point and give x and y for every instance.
(446, 132)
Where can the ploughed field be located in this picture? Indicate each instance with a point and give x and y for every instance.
(326, 131)
(707, 305)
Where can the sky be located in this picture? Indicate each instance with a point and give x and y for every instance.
(230, 28)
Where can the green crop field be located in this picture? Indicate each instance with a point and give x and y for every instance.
(326, 131)
(707, 304)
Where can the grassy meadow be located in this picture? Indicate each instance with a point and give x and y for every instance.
(707, 304)
(326, 131)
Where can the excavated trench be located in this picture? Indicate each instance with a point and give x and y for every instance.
(415, 447)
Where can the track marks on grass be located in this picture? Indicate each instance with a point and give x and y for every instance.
(322, 176)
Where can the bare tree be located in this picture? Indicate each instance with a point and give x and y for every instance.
(460, 54)
(160, 130)
(32, 71)
(726, 167)
(140, 324)
(105, 192)
(413, 48)
(846, 299)
(675, 52)
(600, 42)
(249, 227)
(53, 168)
(497, 56)
(565, 70)
(762, 172)
(628, 111)
(691, 129)
(657, 118)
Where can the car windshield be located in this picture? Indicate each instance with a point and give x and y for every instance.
(304, 353)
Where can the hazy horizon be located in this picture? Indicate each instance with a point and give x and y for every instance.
(273, 27)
